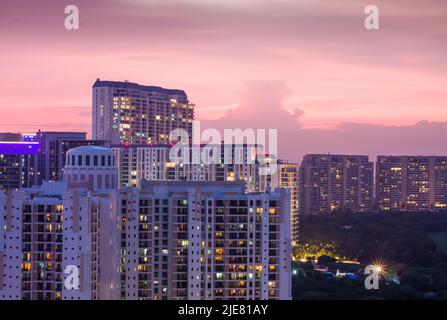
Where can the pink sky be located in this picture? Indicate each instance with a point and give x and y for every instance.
(324, 76)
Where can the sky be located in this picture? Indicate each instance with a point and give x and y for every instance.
(308, 68)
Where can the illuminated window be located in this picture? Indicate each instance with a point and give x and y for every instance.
(184, 243)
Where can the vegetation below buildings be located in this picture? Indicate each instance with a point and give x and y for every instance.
(412, 247)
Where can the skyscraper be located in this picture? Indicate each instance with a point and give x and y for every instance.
(411, 183)
(286, 176)
(331, 183)
(126, 112)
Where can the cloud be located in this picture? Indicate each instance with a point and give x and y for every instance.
(335, 71)
(257, 100)
(262, 107)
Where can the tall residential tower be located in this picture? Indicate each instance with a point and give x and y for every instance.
(126, 112)
(330, 183)
(411, 183)
(204, 240)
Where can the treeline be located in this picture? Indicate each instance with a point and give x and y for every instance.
(410, 245)
(392, 237)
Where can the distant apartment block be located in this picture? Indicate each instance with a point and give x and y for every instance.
(204, 240)
(330, 183)
(286, 177)
(50, 156)
(126, 112)
(411, 183)
(53, 148)
(153, 163)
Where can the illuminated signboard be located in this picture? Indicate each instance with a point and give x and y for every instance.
(19, 147)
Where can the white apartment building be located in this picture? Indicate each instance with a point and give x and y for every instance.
(126, 112)
(84, 238)
(286, 176)
(63, 229)
(204, 240)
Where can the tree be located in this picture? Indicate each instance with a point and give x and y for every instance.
(325, 260)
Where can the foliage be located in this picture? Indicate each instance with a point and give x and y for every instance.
(411, 245)
(314, 250)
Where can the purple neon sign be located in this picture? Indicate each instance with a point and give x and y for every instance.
(19, 147)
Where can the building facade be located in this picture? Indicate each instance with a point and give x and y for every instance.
(126, 112)
(330, 183)
(153, 163)
(83, 239)
(50, 161)
(27, 160)
(142, 162)
(19, 163)
(204, 240)
(60, 240)
(411, 183)
(286, 176)
(54, 147)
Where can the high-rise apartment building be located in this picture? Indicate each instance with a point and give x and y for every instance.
(204, 240)
(286, 176)
(411, 183)
(54, 146)
(61, 230)
(126, 112)
(153, 163)
(82, 238)
(142, 162)
(19, 166)
(331, 183)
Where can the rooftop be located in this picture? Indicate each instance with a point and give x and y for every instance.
(132, 85)
(89, 149)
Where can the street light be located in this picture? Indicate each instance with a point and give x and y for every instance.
(379, 267)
